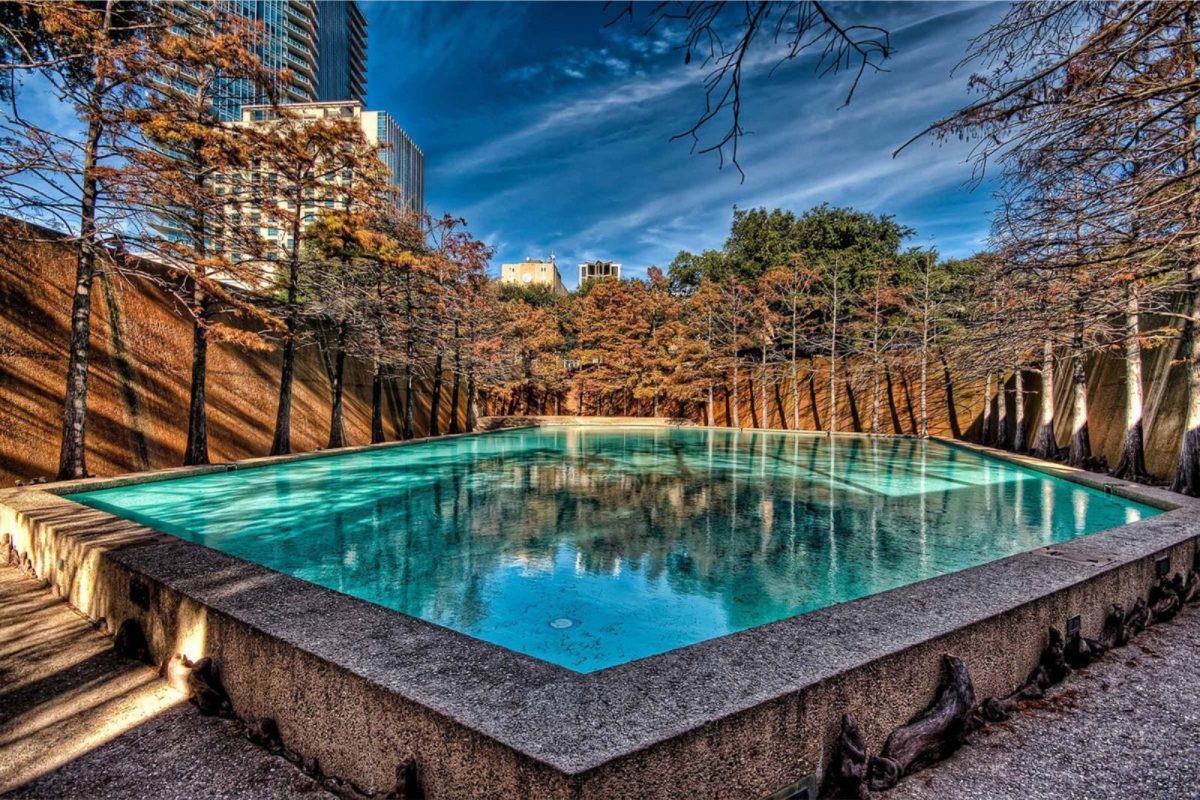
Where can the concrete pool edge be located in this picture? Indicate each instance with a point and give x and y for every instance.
(364, 689)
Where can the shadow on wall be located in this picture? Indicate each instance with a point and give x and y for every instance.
(1164, 388)
(139, 376)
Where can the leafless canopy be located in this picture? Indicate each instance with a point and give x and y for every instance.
(723, 36)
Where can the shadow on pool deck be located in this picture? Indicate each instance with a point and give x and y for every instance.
(77, 721)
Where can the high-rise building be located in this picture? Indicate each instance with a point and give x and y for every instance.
(534, 272)
(405, 160)
(322, 45)
(341, 51)
(291, 35)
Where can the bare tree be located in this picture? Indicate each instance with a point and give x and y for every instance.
(730, 39)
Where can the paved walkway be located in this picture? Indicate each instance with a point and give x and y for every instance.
(77, 721)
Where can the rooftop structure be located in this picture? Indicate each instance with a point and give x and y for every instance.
(534, 272)
(597, 270)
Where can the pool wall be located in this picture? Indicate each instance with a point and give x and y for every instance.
(365, 690)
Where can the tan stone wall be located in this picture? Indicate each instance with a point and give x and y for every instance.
(137, 404)
(1164, 390)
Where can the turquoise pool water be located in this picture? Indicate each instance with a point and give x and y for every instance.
(591, 547)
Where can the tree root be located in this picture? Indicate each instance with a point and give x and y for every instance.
(1081, 651)
(207, 692)
(932, 735)
(1188, 589)
(1054, 658)
(265, 733)
(1163, 601)
(994, 709)
(942, 728)
(1137, 619)
(130, 642)
(845, 778)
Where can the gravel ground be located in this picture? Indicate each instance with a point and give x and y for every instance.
(77, 721)
(1126, 728)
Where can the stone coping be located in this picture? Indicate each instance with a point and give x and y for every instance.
(577, 723)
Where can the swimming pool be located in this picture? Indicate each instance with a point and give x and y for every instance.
(591, 547)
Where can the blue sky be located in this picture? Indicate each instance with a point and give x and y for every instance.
(550, 132)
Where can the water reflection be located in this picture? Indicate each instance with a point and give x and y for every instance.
(592, 547)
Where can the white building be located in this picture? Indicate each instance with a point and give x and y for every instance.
(405, 161)
(599, 269)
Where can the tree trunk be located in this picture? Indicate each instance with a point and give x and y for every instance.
(72, 457)
(891, 398)
(737, 422)
(1132, 464)
(754, 421)
(765, 412)
(708, 408)
(196, 451)
(435, 399)
(455, 390)
(1018, 410)
(410, 347)
(795, 396)
(471, 418)
(282, 443)
(1187, 472)
(1046, 446)
(951, 411)
(408, 401)
(779, 405)
(985, 434)
(812, 401)
(833, 364)
(876, 400)
(337, 383)
(1081, 447)
(924, 375)
(377, 403)
(855, 419)
(1002, 433)
(908, 403)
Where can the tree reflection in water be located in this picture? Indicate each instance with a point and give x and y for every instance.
(630, 541)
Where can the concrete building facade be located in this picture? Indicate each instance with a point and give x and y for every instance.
(599, 269)
(405, 163)
(534, 272)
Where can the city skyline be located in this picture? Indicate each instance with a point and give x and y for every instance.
(566, 147)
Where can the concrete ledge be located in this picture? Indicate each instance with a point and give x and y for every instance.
(364, 689)
(507, 423)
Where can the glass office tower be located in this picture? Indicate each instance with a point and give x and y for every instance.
(405, 161)
(341, 51)
(290, 28)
